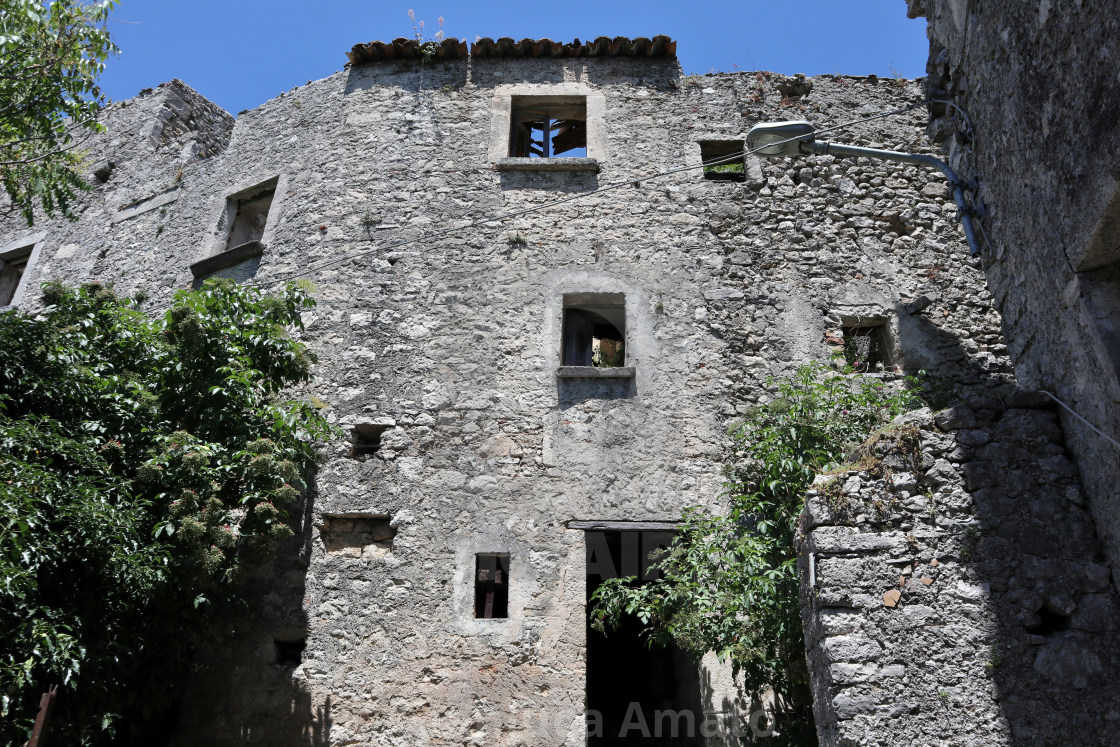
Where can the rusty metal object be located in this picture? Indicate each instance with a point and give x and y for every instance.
(42, 721)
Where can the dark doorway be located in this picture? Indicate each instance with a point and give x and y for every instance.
(636, 695)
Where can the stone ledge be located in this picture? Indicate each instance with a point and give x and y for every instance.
(547, 164)
(228, 258)
(143, 206)
(590, 372)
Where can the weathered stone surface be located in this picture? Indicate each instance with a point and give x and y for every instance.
(1051, 252)
(451, 343)
(986, 601)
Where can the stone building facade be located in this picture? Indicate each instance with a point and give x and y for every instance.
(1034, 121)
(485, 472)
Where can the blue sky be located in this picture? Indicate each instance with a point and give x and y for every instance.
(240, 53)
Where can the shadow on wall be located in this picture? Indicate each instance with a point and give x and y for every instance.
(1000, 530)
(556, 181)
(249, 685)
(408, 75)
(571, 392)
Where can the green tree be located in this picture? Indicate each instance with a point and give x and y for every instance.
(729, 583)
(50, 58)
(143, 463)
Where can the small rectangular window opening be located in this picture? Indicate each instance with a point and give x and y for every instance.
(250, 216)
(548, 127)
(491, 586)
(723, 160)
(865, 347)
(365, 440)
(12, 267)
(594, 330)
(289, 653)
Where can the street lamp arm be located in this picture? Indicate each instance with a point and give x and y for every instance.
(823, 147)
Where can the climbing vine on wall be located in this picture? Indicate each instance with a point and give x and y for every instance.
(142, 463)
(729, 583)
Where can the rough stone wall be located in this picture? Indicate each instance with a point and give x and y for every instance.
(957, 593)
(1042, 139)
(153, 143)
(450, 346)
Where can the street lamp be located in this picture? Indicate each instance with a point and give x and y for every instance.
(795, 138)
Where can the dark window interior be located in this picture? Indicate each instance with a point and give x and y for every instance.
(365, 439)
(622, 668)
(491, 586)
(723, 160)
(250, 217)
(11, 273)
(548, 126)
(289, 653)
(594, 330)
(865, 347)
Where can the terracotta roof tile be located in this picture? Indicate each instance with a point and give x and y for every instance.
(406, 49)
(620, 46)
(448, 49)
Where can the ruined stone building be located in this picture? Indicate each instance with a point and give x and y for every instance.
(537, 317)
(1036, 126)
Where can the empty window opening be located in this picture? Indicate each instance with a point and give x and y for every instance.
(723, 160)
(865, 347)
(250, 214)
(594, 330)
(289, 653)
(365, 439)
(491, 586)
(12, 267)
(1050, 621)
(623, 671)
(356, 535)
(548, 127)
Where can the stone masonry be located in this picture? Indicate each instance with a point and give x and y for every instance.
(439, 346)
(1032, 118)
(957, 593)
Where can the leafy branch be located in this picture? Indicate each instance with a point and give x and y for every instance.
(729, 583)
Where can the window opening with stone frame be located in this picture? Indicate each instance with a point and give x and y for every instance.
(12, 267)
(594, 330)
(865, 347)
(491, 586)
(250, 214)
(723, 160)
(365, 439)
(548, 127)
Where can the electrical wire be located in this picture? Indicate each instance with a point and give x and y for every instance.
(554, 203)
(1072, 412)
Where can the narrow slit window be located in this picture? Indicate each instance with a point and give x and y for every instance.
(594, 330)
(491, 586)
(12, 268)
(548, 127)
(250, 214)
(865, 347)
(723, 160)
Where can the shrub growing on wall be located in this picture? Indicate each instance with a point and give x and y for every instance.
(142, 462)
(729, 582)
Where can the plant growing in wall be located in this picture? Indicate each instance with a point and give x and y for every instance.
(142, 463)
(729, 582)
(50, 57)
